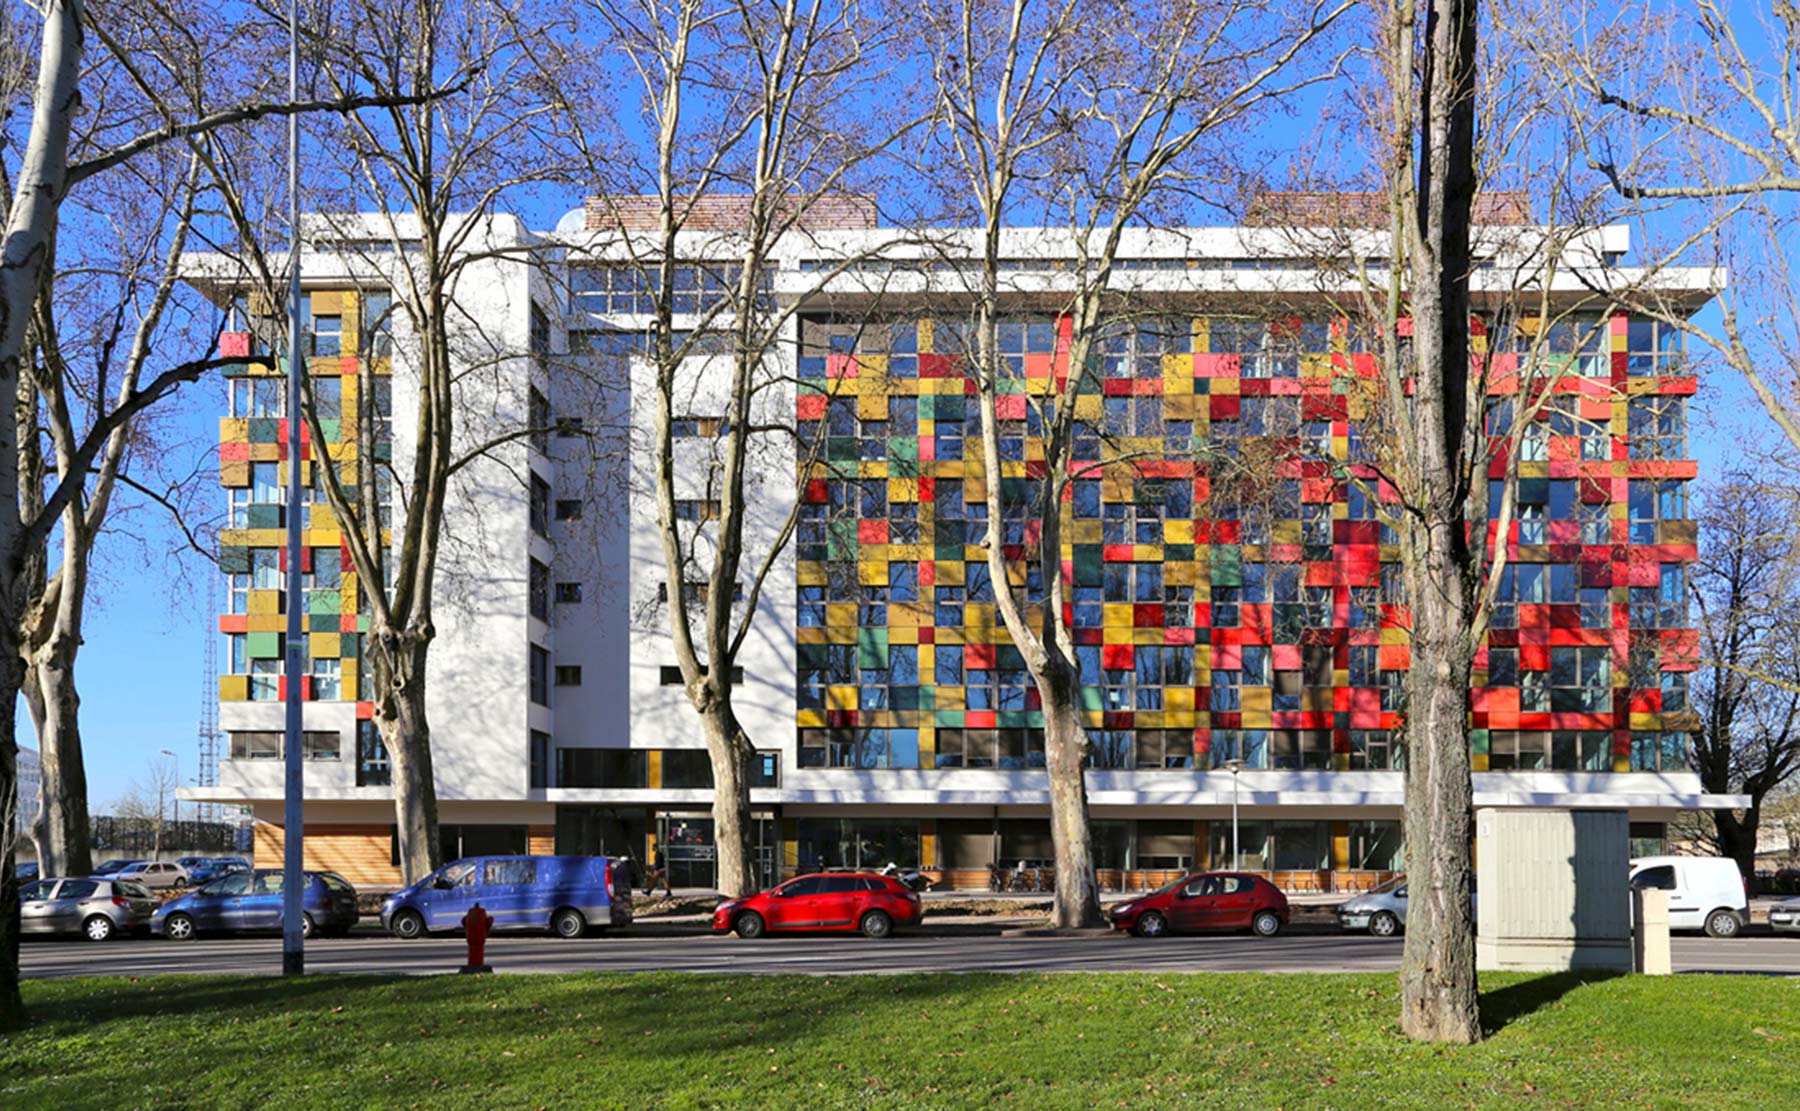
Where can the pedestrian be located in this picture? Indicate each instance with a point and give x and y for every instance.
(657, 871)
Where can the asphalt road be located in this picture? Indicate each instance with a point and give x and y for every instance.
(647, 948)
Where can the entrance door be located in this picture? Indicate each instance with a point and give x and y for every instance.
(688, 851)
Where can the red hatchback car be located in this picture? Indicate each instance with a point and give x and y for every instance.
(863, 901)
(1206, 901)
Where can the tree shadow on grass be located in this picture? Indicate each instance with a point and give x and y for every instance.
(1504, 1006)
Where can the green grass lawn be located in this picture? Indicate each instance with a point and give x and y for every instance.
(939, 1041)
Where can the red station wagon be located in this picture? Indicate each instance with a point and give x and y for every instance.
(1206, 901)
(844, 901)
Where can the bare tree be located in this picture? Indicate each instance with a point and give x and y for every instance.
(467, 124)
(751, 145)
(1033, 111)
(1747, 689)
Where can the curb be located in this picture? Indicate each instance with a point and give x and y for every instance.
(1050, 931)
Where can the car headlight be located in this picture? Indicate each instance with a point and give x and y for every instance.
(1122, 908)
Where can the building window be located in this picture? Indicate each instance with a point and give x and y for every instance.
(1586, 750)
(540, 759)
(568, 509)
(257, 397)
(540, 506)
(1580, 679)
(670, 676)
(539, 421)
(327, 680)
(538, 593)
(265, 678)
(238, 588)
(266, 744)
(568, 675)
(1652, 501)
(1657, 427)
(540, 331)
(372, 766)
(568, 593)
(697, 509)
(327, 397)
(378, 323)
(540, 676)
(326, 336)
(696, 592)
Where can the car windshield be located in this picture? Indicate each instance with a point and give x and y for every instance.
(1392, 885)
(1170, 886)
(455, 875)
(234, 884)
(131, 890)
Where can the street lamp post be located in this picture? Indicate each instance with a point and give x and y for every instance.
(1234, 766)
(177, 760)
(293, 945)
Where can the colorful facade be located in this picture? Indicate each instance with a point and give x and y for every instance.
(1217, 618)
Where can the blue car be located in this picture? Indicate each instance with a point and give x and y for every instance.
(564, 894)
(205, 869)
(243, 902)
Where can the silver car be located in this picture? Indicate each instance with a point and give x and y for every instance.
(94, 907)
(1784, 917)
(1382, 911)
(154, 874)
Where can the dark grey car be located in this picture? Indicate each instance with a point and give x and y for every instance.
(94, 907)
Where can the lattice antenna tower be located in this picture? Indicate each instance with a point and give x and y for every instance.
(208, 737)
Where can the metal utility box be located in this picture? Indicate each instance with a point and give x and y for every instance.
(1552, 891)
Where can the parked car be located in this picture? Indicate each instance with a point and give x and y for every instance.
(25, 872)
(113, 866)
(205, 869)
(1784, 917)
(252, 901)
(1382, 910)
(564, 894)
(1705, 892)
(1206, 901)
(95, 907)
(155, 874)
(846, 901)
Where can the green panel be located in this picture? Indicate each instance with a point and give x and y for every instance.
(348, 646)
(263, 646)
(1016, 719)
(903, 449)
(1178, 553)
(324, 601)
(1086, 559)
(265, 430)
(1478, 741)
(843, 447)
(1092, 698)
(322, 622)
(927, 696)
(872, 648)
(234, 560)
(952, 719)
(1007, 657)
(333, 430)
(263, 516)
(1226, 566)
(840, 541)
(384, 451)
(811, 656)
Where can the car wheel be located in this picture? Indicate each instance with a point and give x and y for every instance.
(749, 925)
(1723, 923)
(97, 928)
(1151, 924)
(179, 927)
(1384, 924)
(307, 928)
(1266, 924)
(877, 924)
(181, 885)
(568, 922)
(407, 925)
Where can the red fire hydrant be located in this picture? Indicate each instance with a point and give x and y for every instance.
(476, 924)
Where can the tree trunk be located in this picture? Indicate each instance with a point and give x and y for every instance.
(1437, 975)
(1077, 903)
(65, 792)
(1737, 836)
(12, 1006)
(732, 825)
(405, 730)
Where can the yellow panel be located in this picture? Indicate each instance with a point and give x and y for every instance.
(810, 634)
(1258, 700)
(327, 302)
(325, 645)
(1116, 615)
(872, 407)
(266, 623)
(234, 430)
(841, 613)
(234, 473)
(654, 769)
(1177, 699)
(810, 719)
(264, 602)
(234, 688)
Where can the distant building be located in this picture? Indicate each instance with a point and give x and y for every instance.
(31, 775)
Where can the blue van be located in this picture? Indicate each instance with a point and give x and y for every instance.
(565, 894)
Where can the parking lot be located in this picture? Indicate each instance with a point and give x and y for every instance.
(649, 946)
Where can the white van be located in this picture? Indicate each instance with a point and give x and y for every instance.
(1705, 892)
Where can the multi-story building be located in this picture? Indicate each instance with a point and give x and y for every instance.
(31, 775)
(1241, 645)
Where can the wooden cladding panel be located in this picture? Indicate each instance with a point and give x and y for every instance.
(362, 854)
